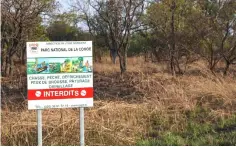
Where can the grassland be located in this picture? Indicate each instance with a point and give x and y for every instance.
(147, 106)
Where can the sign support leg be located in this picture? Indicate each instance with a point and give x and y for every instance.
(81, 126)
(39, 121)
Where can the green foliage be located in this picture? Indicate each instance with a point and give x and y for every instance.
(137, 44)
(63, 27)
(39, 34)
(69, 18)
(198, 129)
(60, 31)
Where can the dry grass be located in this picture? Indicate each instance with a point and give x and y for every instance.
(124, 107)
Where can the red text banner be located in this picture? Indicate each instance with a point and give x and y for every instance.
(67, 93)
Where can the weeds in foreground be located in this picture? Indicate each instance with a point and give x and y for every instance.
(197, 128)
(146, 107)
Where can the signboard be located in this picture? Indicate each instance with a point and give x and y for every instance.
(59, 74)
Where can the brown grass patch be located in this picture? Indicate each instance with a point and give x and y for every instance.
(124, 107)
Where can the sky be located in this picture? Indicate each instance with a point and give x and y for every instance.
(65, 7)
(64, 4)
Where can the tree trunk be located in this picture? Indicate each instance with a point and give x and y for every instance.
(172, 52)
(123, 60)
(2, 64)
(23, 52)
(3, 58)
(227, 64)
(156, 54)
(113, 55)
(172, 63)
(180, 71)
(212, 62)
(213, 65)
(145, 55)
(7, 66)
(11, 68)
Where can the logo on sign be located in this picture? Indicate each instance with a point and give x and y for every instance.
(33, 47)
(38, 93)
(83, 92)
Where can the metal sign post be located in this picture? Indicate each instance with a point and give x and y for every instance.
(39, 121)
(48, 63)
(81, 126)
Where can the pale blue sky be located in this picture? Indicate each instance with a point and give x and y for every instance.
(64, 4)
(65, 7)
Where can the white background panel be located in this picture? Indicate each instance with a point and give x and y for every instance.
(46, 86)
(68, 103)
(59, 44)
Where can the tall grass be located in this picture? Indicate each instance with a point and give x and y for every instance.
(146, 107)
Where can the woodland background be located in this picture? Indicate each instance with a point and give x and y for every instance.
(164, 71)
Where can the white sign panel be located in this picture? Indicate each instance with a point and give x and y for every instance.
(59, 74)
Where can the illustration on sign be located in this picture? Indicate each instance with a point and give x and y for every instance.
(59, 65)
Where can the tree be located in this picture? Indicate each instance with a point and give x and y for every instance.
(170, 25)
(63, 27)
(117, 20)
(227, 21)
(19, 18)
(218, 37)
(138, 43)
(61, 31)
